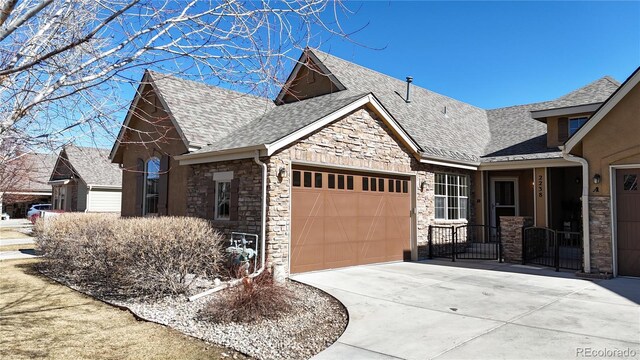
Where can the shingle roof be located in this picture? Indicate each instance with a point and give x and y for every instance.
(206, 113)
(595, 92)
(515, 135)
(33, 171)
(442, 126)
(282, 121)
(93, 166)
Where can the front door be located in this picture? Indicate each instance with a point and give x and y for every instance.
(628, 221)
(504, 199)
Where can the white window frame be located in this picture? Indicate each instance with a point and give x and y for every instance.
(586, 118)
(221, 178)
(146, 175)
(446, 196)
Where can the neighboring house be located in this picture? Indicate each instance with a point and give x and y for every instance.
(24, 182)
(359, 164)
(83, 179)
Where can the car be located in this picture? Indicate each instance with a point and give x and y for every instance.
(5, 216)
(34, 211)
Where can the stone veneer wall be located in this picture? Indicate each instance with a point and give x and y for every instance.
(600, 234)
(249, 194)
(511, 230)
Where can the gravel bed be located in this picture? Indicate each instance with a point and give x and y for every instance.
(315, 322)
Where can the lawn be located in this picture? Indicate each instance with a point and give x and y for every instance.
(40, 318)
(8, 233)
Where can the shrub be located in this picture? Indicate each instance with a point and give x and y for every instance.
(251, 301)
(130, 257)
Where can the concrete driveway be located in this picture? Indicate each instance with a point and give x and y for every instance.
(479, 310)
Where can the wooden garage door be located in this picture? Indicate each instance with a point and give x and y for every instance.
(628, 221)
(342, 219)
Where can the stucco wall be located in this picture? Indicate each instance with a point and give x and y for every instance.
(154, 135)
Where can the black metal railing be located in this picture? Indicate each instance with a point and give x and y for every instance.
(548, 247)
(478, 242)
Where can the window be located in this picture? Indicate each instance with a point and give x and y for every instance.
(390, 185)
(630, 182)
(405, 186)
(296, 178)
(332, 181)
(307, 179)
(398, 186)
(151, 195)
(223, 196)
(451, 196)
(341, 182)
(59, 194)
(380, 184)
(349, 182)
(365, 184)
(374, 184)
(576, 123)
(319, 180)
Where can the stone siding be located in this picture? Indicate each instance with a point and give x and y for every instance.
(511, 230)
(249, 194)
(600, 234)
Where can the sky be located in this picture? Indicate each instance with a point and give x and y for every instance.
(494, 54)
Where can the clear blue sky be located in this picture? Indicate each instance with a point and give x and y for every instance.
(494, 54)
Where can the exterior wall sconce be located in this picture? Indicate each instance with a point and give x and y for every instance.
(423, 185)
(596, 179)
(281, 172)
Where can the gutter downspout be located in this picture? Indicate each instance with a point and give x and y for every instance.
(88, 199)
(586, 244)
(263, 241)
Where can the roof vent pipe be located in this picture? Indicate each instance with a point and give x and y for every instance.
(409, 81)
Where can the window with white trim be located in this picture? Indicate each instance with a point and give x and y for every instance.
(222, 210)
(451, 196)
(576, 123)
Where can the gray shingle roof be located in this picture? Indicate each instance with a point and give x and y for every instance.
(460, 133)
(595, 92)
(206, 113)
(92, 165)
(442, 126)
(282, 121)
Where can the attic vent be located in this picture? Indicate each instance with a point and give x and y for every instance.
(409, 81)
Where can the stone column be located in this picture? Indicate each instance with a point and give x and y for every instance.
(511, 230)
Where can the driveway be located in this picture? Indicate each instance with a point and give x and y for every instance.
(479, 310)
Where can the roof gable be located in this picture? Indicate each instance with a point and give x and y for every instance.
(632, 81)
(91, 165)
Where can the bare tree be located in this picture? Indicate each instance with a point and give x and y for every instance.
(65, 63)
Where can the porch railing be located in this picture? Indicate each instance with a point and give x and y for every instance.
(552, 248)
(478, 242)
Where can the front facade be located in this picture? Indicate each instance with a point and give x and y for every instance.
(83, 180)
(355, 172)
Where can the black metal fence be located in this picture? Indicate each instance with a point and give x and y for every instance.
(548, 247)
(478, 242)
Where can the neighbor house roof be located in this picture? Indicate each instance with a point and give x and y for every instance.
(32, 172)
(92, 165)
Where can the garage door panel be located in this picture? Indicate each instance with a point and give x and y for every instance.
(334, 227)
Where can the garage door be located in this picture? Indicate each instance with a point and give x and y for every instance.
(628, 221)
(344, 218)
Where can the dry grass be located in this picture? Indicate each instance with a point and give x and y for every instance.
(40, 318)
(8, 233)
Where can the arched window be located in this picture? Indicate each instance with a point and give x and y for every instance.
(151, 195)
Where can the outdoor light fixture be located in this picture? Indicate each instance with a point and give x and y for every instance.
(596, 179)
(281, 172)
(423, 185)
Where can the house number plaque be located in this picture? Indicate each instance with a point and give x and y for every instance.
(540, 186)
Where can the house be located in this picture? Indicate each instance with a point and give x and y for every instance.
(83, 179)
(350, 166)
(23, 182)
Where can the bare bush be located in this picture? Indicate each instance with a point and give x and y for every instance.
(256, 299)
(129, 257)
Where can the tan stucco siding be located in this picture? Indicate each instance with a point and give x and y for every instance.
(553, 133)
(154, 135)
(308, 83)
(615, 140)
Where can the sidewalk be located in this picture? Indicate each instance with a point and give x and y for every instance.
(18, 254)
